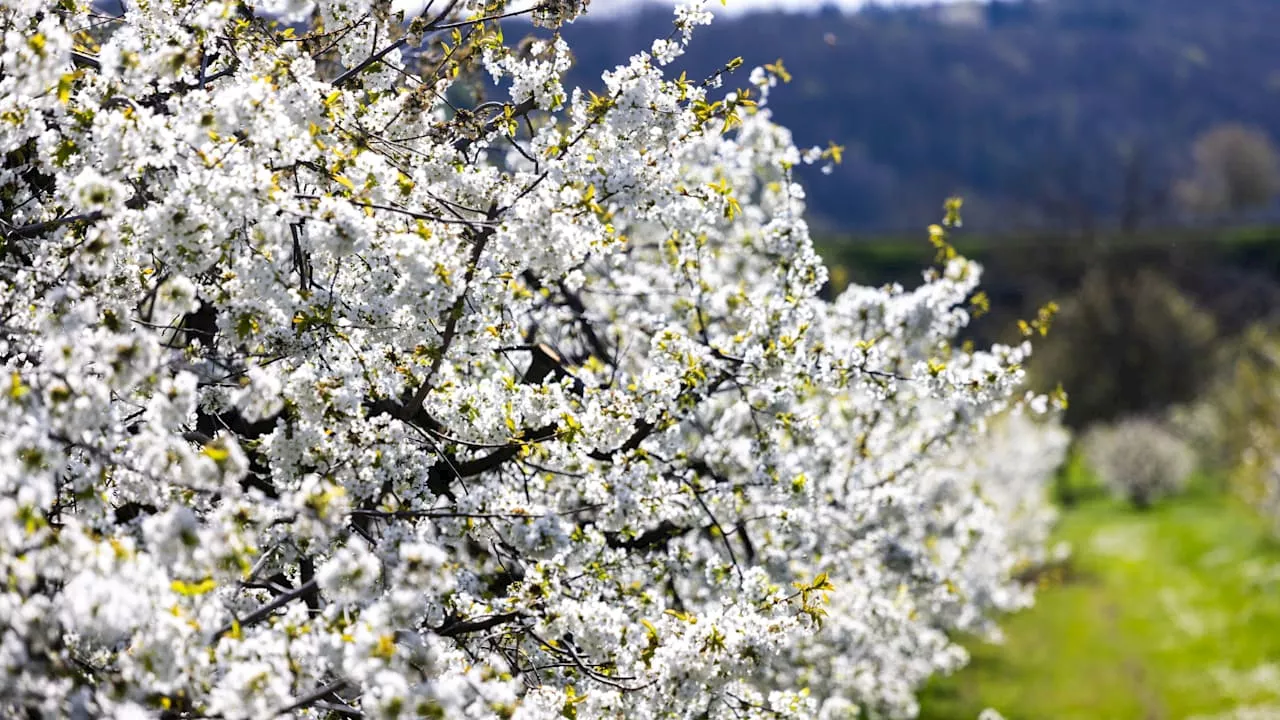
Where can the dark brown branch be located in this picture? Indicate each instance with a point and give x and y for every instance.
(458, 627)
(344, 77)
(34, 229)
(644, 429)
(496, 458)
(265, 611)
(574, 302)
(85, 60)
(340, 709)
(660, 535)
(319, 694)
(307, 572)
(588, 330)
(545, 362)
(451, 327)
(750, 547)
(724, 537)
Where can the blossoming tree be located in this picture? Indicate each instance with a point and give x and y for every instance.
(359, 368)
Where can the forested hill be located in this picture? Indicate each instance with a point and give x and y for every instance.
(1041, 112)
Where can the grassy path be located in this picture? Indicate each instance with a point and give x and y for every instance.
(1169, 614)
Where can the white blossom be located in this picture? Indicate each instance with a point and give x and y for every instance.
(327, 385)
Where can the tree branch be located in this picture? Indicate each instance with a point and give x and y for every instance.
(34, 229)
(451, 328)
(320, 693)
(462, 627)
(265, 611)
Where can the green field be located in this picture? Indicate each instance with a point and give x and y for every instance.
(1171, 613)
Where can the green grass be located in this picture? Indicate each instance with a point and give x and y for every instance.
(1170, 613)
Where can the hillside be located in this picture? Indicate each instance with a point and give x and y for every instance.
(1048, 112)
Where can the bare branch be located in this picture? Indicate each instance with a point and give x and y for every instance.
(319, 694)
(462, 627)
(26, 231)
(265, 611)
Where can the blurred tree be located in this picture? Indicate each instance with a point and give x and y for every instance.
(1236, 423)
(1126, 344)
(1236, 168)
(1139, 460)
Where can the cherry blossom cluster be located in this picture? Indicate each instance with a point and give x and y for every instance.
(358, 367)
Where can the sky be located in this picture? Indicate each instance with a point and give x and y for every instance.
(605, 8)
(609, 7)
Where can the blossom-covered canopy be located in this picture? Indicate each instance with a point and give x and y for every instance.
(359, 368)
